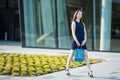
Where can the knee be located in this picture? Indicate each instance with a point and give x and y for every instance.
(71, 53)
(86, 55)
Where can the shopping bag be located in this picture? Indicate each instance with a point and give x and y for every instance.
(79, 55)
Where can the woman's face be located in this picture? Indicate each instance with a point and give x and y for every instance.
(79, 15)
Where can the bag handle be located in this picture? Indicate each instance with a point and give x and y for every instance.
(79, 47)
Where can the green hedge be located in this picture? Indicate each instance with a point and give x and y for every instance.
(34, 65)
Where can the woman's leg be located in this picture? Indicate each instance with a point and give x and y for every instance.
(69, 59)
(88, 63)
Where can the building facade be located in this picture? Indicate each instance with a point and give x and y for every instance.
(47, 23)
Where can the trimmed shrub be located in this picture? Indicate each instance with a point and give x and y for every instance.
(33, 65)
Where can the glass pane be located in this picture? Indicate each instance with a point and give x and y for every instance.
(13, 3)
(85, 5)
(40, 23)
(63, 28)
(45, 23)
(98, 25)
(3, 3)
(115, 28)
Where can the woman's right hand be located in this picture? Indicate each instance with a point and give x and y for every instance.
(78, 44)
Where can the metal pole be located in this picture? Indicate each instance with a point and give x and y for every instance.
(56, 16)
(5, 36)
(94, 24)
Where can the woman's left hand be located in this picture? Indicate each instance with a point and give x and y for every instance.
(83, 42)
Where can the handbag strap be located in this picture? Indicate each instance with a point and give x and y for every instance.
(79, 47)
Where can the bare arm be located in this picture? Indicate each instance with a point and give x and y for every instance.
(85, 35)
(73, 27)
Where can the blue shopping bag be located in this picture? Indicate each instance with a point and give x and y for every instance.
(79, 55)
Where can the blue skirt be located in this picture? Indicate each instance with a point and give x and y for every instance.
(74, 45)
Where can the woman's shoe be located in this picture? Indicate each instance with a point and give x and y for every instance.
(67, 72)
(90, 74)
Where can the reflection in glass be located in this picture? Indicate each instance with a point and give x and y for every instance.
(46, 25)
(63, 28)
(40, 23)
(72, 6)
(115, 28)
(98, 20)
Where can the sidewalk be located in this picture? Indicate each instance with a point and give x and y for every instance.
(107, 70)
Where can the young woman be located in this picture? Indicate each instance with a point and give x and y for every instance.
(79, 39)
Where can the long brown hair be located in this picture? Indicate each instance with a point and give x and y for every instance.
(75, 16)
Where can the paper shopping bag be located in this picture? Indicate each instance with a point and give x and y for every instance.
(78, 55)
